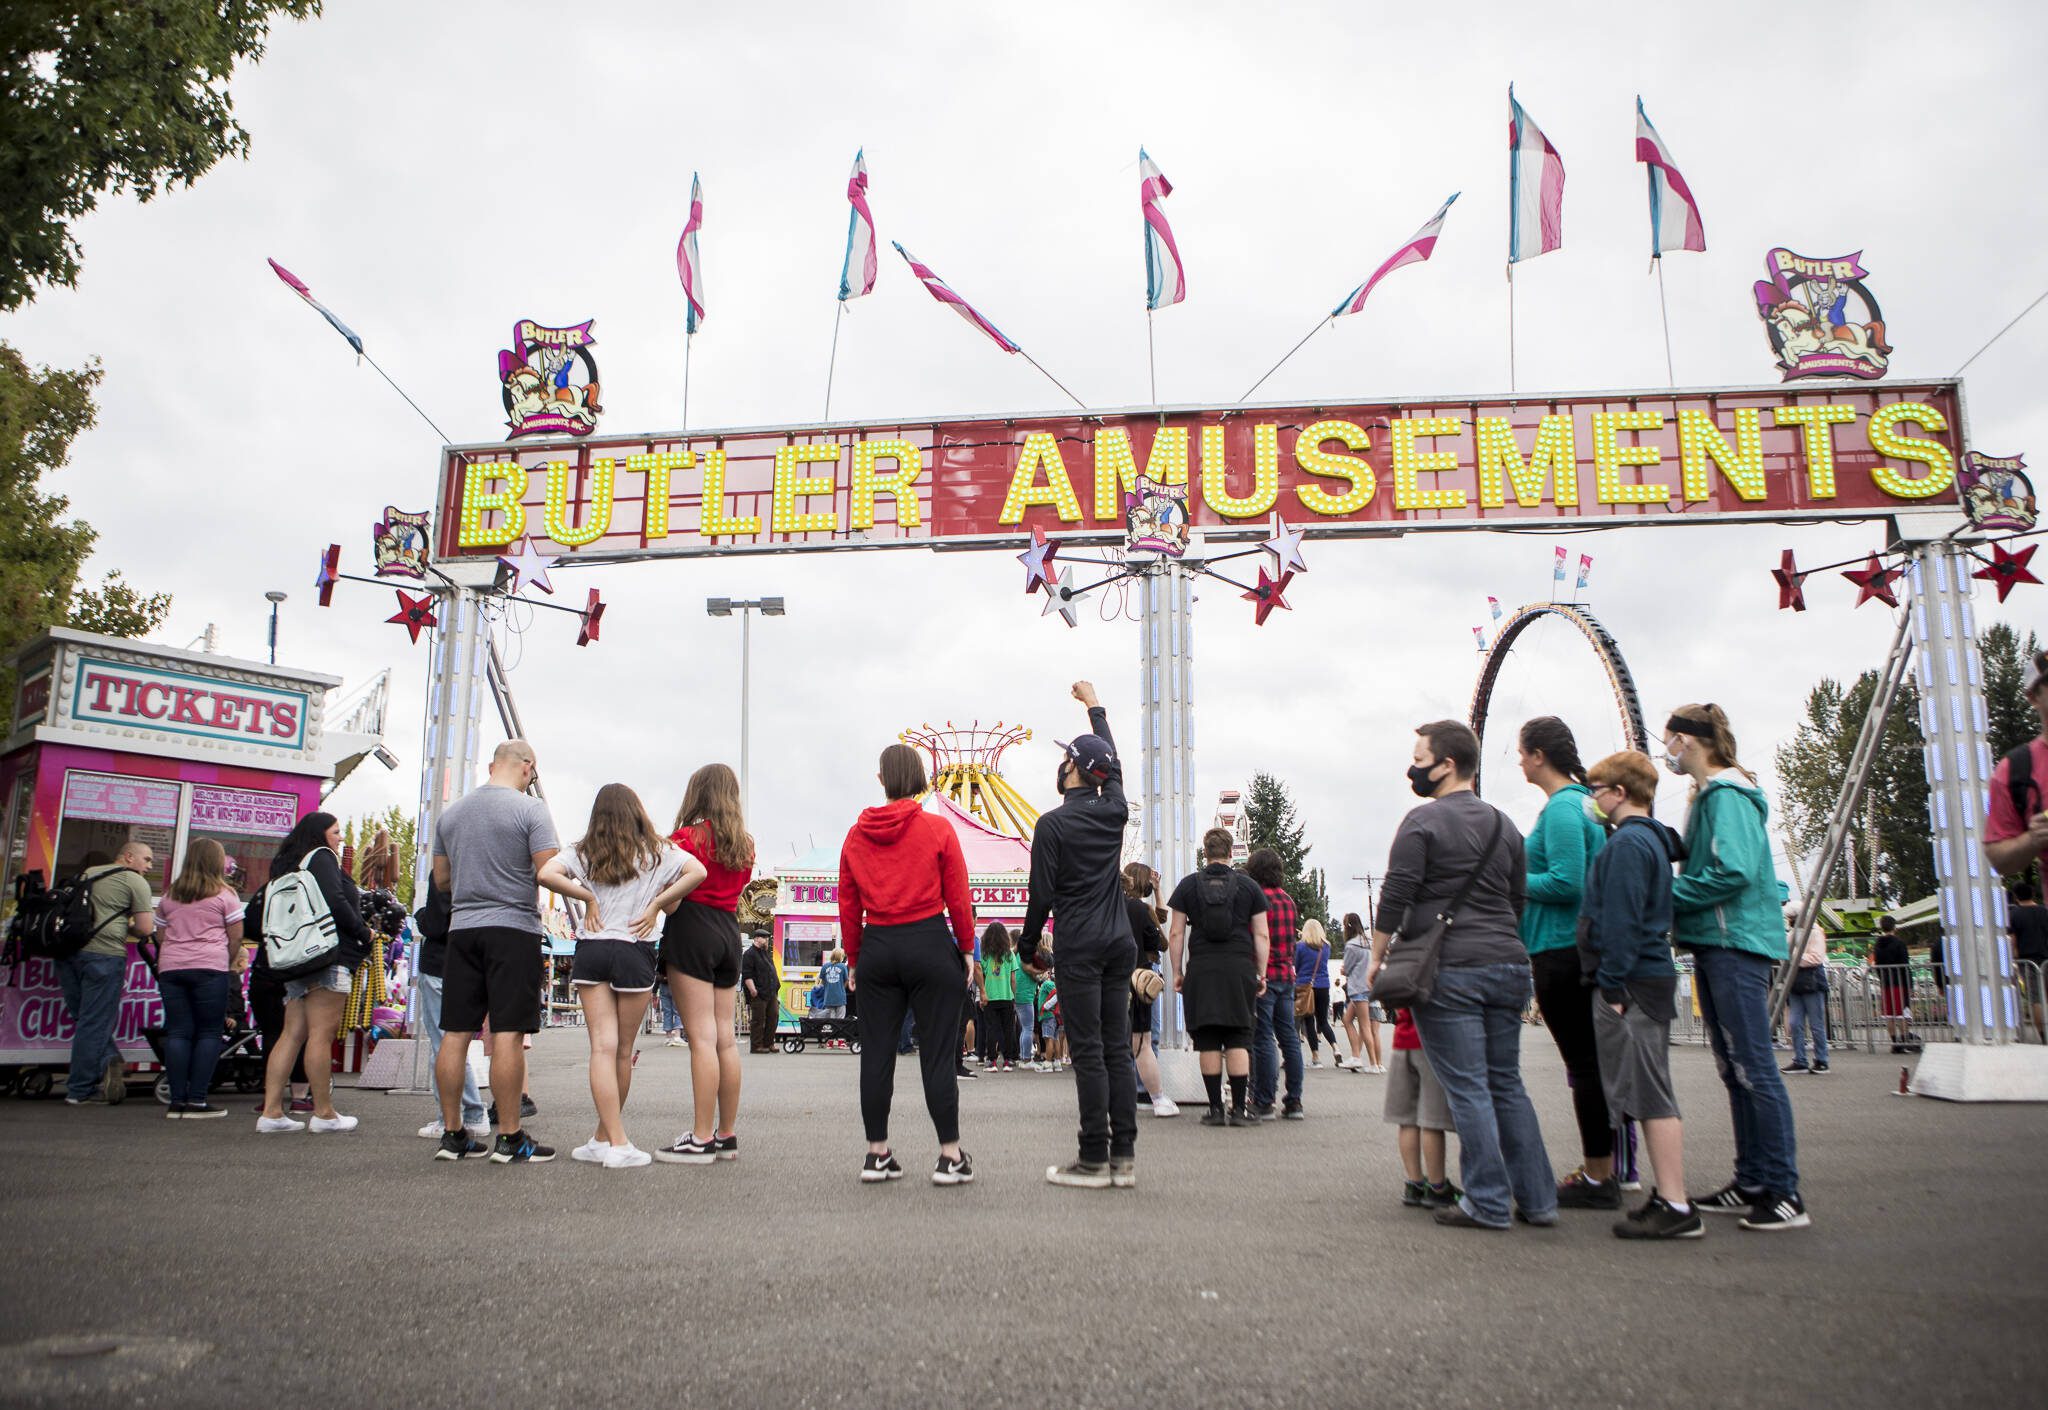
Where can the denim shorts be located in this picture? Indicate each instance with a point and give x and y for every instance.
(336, 977)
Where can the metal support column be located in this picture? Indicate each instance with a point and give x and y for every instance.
(1166, 763)
(451, 736)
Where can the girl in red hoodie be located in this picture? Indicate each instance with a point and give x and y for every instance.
(901, 876)
(700, 949)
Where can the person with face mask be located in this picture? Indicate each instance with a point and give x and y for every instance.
(1472, 1026)
(1725, 905)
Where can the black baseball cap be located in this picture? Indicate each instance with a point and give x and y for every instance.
(1091, 754)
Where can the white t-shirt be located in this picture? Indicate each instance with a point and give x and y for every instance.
(618, 906)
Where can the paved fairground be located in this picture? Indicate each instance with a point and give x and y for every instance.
(160, 1263)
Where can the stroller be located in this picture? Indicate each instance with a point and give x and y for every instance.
(821, 1031)
(241, 1059)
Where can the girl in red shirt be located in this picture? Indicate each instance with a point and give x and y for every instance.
(700, 949)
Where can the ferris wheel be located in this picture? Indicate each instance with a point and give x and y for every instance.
(1627, 703)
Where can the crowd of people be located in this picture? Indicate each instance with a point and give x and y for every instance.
(1583, 917)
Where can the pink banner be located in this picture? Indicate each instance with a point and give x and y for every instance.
(240, 810)
(34, 1024)
(109, 798)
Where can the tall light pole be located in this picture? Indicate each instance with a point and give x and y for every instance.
(273, 597)
(725, 607)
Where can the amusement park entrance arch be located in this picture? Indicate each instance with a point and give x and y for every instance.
(1827, 453)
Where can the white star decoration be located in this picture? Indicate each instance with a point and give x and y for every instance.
(1285, 546)
(1060, 597)
(529, 567)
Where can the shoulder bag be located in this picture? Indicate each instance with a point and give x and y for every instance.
(1407, 977)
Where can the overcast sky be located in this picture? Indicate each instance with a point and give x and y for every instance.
(437, 172)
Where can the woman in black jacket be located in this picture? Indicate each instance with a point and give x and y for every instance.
(314, 1002)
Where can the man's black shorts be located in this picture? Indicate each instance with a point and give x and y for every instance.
(702, 943)
(494, 972)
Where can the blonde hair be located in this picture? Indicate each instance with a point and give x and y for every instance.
(620, 841)
(1312, 934)
(712, 799)
(204, 873)
(1721, 742)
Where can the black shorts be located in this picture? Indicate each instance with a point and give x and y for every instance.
(704, 944)
(1216, 1039)
(1141, 1015)
(494, 972)
(625, 966)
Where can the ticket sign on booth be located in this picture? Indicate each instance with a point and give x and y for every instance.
(242, 811)
(134, 696)
(1624, 457)
(117, 798)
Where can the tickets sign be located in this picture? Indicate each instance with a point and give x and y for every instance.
(1371, 468)
(135, 696)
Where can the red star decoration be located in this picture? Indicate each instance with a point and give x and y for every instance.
(1791, 583)
(330, 570)
(415, 614)
(1875, 580)
(1269, 594)
(2007, 571)
(593, 614)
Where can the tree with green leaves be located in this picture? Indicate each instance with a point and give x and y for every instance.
(1270, 822)
(2012, 722)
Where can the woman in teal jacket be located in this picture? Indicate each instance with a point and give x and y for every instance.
(1726, 911)
(1559, 850)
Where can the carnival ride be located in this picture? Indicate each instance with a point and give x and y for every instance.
(966, 770)
(1623, 684)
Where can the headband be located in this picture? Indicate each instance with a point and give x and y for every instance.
(1698, 729)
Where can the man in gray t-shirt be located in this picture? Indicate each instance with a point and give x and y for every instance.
(488, 851)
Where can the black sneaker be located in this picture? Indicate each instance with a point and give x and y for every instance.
(726, 1147)
(1415, 1194)
(459, 1144)
(174, 1111)
(1123, 1171)
(873, 1170)
(520, 1148)
(1214, 1117)
(1455, 1217)
(1291, 1112)
(1244, 1116)
(1081, 1175)
(1265, 1111)
(114, 1082)
(954, 1172)
(961, 1074)
(688, 1150)
(1658, 1220)
(526, 1109)
(1444, 1196)
(1775, 1211)
(1579, 1190)
(1820, 1067)
(1796, 1067)
(201, 1111)
(1731, 1198)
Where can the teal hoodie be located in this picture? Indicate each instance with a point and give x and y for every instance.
(1559, 849)
(1726, 893)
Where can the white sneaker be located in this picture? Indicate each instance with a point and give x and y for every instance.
(1164, 1106)
(624, 1157)
(433, 1130)
(339, 1123)
(592, 1151)
(271, 1125)
(676, 1042)
(1317, 1064)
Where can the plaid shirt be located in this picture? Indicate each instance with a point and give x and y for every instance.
(1282, 924)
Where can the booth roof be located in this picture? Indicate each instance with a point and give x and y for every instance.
(987, 851)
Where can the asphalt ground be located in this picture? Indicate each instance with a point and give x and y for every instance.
(152, 1262)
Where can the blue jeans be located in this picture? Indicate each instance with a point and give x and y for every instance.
(430, 1032)
(1027, 1030)
(1734, 989)
(195, 1003)
(671, 1021)
(92, 995)
(1472, 1034)
(1808, 1014)
(1274, 1038)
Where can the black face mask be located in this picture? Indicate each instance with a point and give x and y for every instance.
(1418, 779)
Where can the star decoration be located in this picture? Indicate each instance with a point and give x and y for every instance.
(1060, 597)
(2007, 571)
(415, 614)
(1269, 594)
(1791, 583)
(1285, 546)
(529, 568)
(330, 573)
(1875, 580)
(1037, 560)
(593, 615)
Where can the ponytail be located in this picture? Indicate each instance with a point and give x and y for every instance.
(1709, 723)
(1552, 738)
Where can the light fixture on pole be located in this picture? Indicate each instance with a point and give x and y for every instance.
(725, 607)
(273, 597)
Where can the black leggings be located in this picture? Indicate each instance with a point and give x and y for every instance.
(266, 1007)
(915, 967)
(1566, 1004)
(1318, 1020)
(998, 1031)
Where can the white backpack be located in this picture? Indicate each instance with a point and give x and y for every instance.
(298, 925)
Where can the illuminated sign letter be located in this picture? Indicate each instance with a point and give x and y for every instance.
(603, 473)
(1500, 456)
(792, 485)
(1265, 473)
(478, 500)
(1041, 449)
(867, 483)
(1410, 463)
(713, 521)
(1310, 456)
(1116, 466)
(1610, 456)
(1818, 424)
(658, 468)
(1886, 441)
(1701, 447)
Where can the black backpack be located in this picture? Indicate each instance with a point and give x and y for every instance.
(56, 924)
(1215, 893)
(2019, 779)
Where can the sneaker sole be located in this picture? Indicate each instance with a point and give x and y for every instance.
(1077, 1182)
(938, 1179)
(1124, 1182)
(1798, 1221)
(200, 1115)
(876, 1177)
(1695, 1232)
(449, 1155)
(497, 1159)
(669, 1158)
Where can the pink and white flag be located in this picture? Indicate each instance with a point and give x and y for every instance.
(687, 263)
(1493, 606)
(1415, 251)
(1674, 214)
(943, 292)
(1585, 569)
(1166, 282)
(1479, 639)
(1535, 188)
(857, 275)
(1557, 566)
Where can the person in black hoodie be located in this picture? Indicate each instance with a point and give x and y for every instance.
(1625, 953)
(1075, 850)
(314, 1002)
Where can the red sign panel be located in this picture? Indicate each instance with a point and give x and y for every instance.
(1616, 458)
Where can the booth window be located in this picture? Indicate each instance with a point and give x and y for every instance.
(804, 942)
(247, 823)
(103, 813)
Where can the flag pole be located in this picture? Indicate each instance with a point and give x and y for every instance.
(1283, 361)
(1151, 356)
(832, 365)
(686, 379)
(1052, 379)
(1511, 325)
(1658, 262)
(446, 439)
